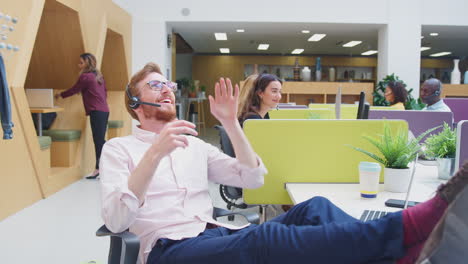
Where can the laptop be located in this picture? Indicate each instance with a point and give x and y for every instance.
(40, 98)
(369, 215)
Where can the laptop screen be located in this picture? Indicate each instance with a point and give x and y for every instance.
(41, 98)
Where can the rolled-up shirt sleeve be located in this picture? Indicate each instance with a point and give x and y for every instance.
(119, 205)
(229, 171)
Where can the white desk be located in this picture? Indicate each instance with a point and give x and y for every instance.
(347, 197)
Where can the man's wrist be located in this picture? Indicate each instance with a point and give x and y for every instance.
(227, 124)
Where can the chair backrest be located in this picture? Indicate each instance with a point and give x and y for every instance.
(462, 143)
(309, 151)
(459, 107)
(226, 145)
(418, 121)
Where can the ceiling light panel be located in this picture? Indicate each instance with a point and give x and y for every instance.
(440, 54)
(224, 50)
(369, 52)
(220, 36)
(434, 34)
(297, 51)
(425, 48)
(352, 43)
(305, 31)
(316, 37)
(240, 30)
(263, 46)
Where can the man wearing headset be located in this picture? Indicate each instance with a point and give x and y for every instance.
(155, 183)
(430, 95)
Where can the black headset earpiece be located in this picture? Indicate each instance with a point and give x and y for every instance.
(133, 102)
(437, 93)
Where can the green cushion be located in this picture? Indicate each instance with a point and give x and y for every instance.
(44, 142)
(115, 123)
(63, 135)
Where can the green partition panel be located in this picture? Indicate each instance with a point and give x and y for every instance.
(348, 111)
(318, 113)
(309, 151)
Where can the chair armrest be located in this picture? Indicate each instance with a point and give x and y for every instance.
(251, 217)
(129, 249)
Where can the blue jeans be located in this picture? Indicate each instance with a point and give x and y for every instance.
(315, 231)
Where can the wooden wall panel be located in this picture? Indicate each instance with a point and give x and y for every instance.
(59, 42)
(19, 186)
(114, 64)
(116, 100)
(56, 32)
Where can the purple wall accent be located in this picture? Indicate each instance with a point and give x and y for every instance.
(418, 121)
(462, 143)
(459, 107)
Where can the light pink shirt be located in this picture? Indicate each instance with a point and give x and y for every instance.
(177, 204)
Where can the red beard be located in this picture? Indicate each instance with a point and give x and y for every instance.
(159, 113)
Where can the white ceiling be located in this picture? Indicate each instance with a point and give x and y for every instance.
(284, 37)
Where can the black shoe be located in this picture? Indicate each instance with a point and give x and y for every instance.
(92, 177)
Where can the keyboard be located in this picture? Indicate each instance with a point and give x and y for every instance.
(368, 215)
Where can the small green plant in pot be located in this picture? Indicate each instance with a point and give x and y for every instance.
(442, 147)
(202, 91)
(396, 152)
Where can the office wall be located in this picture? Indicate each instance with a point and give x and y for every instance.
(396, 17)
(184, 66)
(24, 179)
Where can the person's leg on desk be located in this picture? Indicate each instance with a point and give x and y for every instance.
(273, 242)
(315, 211)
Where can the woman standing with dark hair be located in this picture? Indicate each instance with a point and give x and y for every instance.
(396, 94)
(94, 93)
(263, 96)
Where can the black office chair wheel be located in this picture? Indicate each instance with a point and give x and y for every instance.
(231, 195)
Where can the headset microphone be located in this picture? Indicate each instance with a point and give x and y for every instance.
(134, 101)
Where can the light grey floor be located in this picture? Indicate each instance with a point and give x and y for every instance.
(60, 229)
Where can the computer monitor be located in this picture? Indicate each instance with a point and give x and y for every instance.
(363, 108)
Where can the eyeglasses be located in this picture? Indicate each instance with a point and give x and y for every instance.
(157, 86)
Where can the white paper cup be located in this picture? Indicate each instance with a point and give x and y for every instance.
(369, 174)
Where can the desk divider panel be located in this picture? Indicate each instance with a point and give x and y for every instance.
(309, 151)
(462, 144)
(318, 113)
(459, 107)
(418, 121)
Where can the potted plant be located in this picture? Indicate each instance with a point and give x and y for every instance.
(396, 152)
(442, 147)
(183, 85)
(192, 90)
(202, 92)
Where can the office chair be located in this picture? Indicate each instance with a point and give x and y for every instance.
(229, 194)
(124, 246)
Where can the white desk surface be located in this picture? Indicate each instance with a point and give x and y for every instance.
(347, 196)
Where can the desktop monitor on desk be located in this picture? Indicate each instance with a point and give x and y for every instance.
(363, 108)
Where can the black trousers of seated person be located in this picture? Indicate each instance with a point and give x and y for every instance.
(314, 231)
(98, 120)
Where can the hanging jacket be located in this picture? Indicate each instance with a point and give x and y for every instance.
(5, 105)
